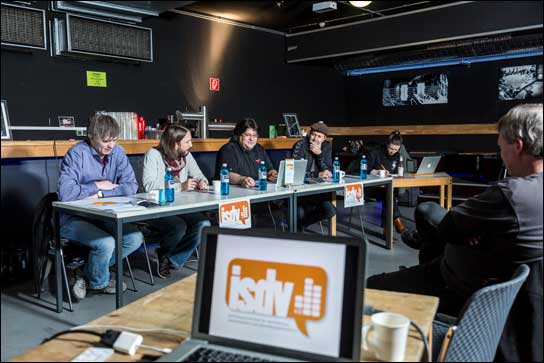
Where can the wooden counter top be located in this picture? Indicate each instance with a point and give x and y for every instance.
(172, 308)
(45, 149)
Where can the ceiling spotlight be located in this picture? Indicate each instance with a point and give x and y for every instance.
(360, 4)
(322, 24)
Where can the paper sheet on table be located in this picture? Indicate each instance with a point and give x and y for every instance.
(114, 205)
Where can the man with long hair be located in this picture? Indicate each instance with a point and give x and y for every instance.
(180, 234)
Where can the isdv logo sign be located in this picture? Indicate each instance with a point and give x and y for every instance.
(277, 289)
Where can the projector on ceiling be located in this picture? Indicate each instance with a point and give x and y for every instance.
(324, 6)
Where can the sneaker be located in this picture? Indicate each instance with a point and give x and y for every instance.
(110, 289)
(163, 266)
(412, 239)
(79, 289)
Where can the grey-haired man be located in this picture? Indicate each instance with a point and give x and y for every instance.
(92, 169)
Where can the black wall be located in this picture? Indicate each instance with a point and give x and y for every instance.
(472, 99)
(255, 81)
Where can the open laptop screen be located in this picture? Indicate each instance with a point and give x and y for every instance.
(297, 295)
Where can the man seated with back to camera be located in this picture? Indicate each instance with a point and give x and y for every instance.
(386, 157)
(243, 155)
(181, 234)
(318, 151)
(92, 169)
(482, 240)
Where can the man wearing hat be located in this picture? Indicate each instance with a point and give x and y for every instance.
(318, 152)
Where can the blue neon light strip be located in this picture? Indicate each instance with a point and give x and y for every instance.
(456, 61)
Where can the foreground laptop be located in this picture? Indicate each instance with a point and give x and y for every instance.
(428, 165)
(264, 296)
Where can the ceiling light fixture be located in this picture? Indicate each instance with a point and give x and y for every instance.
(360, 4)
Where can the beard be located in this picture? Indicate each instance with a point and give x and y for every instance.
(183, 154)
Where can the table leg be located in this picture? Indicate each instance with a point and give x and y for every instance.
(58, 273)
(293, 213)
(430, 342)
(389, 218)
(332, 220)
(450, 195)
(442, 188)
(119, 263)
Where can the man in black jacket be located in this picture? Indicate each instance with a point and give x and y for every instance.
(483, 240)
(318, 151)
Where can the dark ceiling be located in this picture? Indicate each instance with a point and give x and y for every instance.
(297, 16)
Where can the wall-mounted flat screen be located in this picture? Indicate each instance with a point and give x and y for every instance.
(520, 82)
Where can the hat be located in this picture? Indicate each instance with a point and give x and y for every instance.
(320, 127)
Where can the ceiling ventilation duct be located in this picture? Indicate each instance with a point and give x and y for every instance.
(463, 49)
(132, 11)
(82, 36)
(23, 27)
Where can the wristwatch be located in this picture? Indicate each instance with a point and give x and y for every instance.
(100, 194)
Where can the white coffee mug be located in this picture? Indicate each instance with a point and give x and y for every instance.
(341, 176)
(216, 186)
(386, 336)
(154, 195)
(381, 173)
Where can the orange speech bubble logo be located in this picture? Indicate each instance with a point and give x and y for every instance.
(231, 213)
(277, 289)
(354, 192)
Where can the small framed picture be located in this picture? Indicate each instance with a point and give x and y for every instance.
(67, 121)
(291, 124)
(6, 132)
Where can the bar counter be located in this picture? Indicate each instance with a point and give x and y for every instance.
(46, 148)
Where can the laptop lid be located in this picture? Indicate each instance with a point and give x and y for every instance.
(300, 172)
(264, 292)
(428, 165)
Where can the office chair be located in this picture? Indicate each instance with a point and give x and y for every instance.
(475, 334)
(43, 247)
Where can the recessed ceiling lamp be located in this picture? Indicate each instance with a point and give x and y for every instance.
(360, 4)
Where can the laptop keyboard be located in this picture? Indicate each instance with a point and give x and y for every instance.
(213, 355)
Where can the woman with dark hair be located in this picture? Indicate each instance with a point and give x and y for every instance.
(181, 234)
(243, 155)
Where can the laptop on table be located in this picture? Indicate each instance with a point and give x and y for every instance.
(300, 173)
(262, 296)
(428, 165)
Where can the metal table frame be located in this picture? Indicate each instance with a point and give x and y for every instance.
(154, 213)
(312, 189)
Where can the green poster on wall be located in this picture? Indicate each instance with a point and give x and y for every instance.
(96, 79)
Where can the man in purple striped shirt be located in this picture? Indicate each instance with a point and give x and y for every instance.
(92, 169)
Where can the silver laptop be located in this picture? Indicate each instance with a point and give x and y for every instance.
(262, 296)
(428, 165)
(300, 172)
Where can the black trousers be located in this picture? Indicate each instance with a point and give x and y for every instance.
(312, 209)
(425, 278)
(380, 194)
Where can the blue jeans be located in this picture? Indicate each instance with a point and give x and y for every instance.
(181, 235)
(98, 236)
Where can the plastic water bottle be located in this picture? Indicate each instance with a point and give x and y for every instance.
(400, 169)
(263, 171)
(363, 168)
(224, 177)
(336, 170)
(169, 185)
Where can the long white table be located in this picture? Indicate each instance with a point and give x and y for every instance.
(184, 202)
(330, 187)
(191, 202)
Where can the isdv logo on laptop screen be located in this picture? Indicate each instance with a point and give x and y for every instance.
(277, 289)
